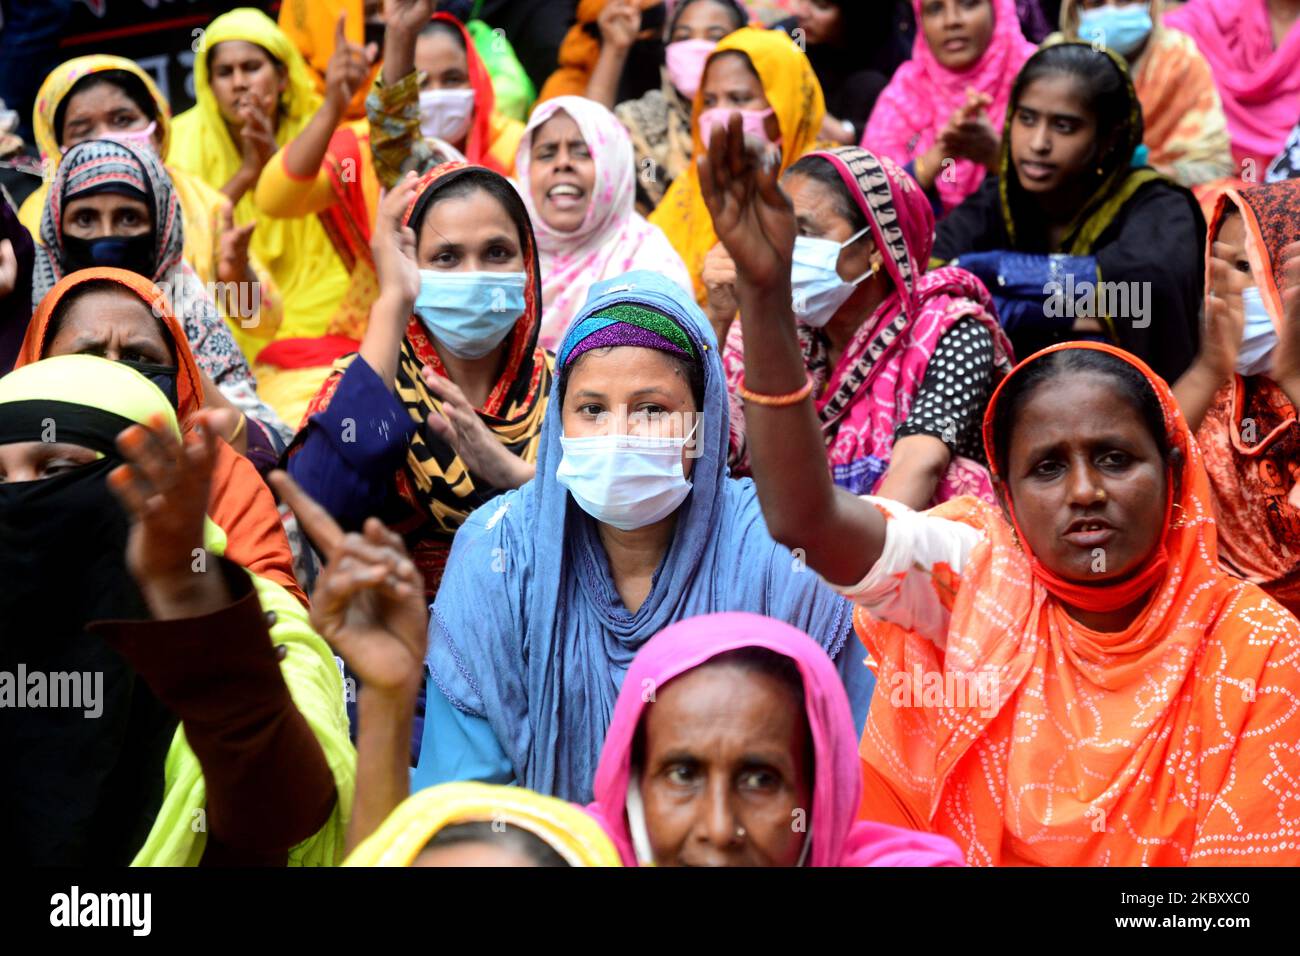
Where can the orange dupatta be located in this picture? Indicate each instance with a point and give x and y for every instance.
(239, 503)
(1170, 743)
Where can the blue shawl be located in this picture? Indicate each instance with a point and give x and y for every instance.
(528, 630)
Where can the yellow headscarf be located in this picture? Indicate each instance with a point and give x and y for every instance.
(795, 96)
(562, 826)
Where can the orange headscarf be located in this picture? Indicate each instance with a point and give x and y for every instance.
(240, 503)
(578, 53)
(1170, 743)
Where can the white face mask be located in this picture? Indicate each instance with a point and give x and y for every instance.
(625, 481)
(815, 283)
(1258, 337)
(446, 114)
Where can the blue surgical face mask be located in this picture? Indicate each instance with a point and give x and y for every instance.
(470, 312)
(815, 283)
(1123, 29)
(626, 481)
(1258, 337)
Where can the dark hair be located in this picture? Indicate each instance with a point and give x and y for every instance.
(467, 182)
(434, 27)
(507, 836)
(820, 170)
(738, 15)
(1104, 85)
(131, 86)
(1132, 386)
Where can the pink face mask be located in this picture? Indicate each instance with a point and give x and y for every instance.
(751, 120)
(139, 138)
(685, 61)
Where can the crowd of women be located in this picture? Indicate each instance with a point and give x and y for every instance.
(810, 433)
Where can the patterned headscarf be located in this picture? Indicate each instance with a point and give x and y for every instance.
(626, 324)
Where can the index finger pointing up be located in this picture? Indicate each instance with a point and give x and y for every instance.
(316, 521)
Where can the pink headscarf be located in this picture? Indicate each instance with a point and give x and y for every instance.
(613, 237)
(837, 838)
(923, 94)
(1259, 86)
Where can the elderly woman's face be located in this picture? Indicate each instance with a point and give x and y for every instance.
(726, 779)
(561, 173)
(113, 325)
(1086, 479)
(34, 460)
(102, 110)
(628, 390)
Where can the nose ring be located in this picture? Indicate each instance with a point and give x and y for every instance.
(1101, 494)
(740, 833)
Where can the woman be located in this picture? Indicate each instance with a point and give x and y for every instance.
(575, 164)
(766, 78)
(1241, 394)
(940, 114)
(613, 45)
(110, 97)
(123, 316)
(1252, 47)
(457, 317)
(254, 96)
(903, 361)
(660, 121)
(17, 258)
(854, 49)
(1072, 239)
(630, 524)
(1072, 679)
(113, 205)
(657, 787)
(173, 770)
(1186, 134)
(434, 89)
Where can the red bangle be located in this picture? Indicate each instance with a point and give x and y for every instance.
(774, 401)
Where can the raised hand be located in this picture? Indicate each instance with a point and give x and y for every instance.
(407, 15)
(460, 427)
(619, 23)
(754, 220)
(1286, 357)
(393, 245)
(347, 70)
(232, 246)
(164, 487)
(719, 277)
(369, 601)
(1224, 314)
(256, 138)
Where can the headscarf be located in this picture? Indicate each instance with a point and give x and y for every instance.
(795, 96)
(16, 307)
(837, 839)
(1154, 745)
(89, 789)
(478, 143)
(923, 94)
(873, 386)
(566, 829)
(434, 483)
(240, 504)
(528, 630)
(1249, 436)
(613, 238)
(1186, 134)
(202, 144)
(1259, 83)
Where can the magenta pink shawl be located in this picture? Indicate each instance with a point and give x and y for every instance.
(1259, 85)
(922, 95)
(837, 838)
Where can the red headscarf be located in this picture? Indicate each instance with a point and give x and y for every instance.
(478, 144)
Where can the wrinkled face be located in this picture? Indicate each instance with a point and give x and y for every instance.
(105, 214)
(1072, 440)
(102, 110)
(472, 854)
(561, 173)
(703, 20)
(628, 390)
(819, 213)
(730, 82)
(469, 233)
(957, 31)
(820, 20)
(113, 325)
(727, 772)
(241, 74)
(34, 460)
(1053, 135)
(443, 62)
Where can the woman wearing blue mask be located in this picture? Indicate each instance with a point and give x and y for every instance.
(457, 318)
(902, 360)
(631, 523)
(1242, 392)
(1184, 130)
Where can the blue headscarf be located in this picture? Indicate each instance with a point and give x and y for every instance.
(528, 630)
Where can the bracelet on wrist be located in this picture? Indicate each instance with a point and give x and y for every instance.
(775, 401)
